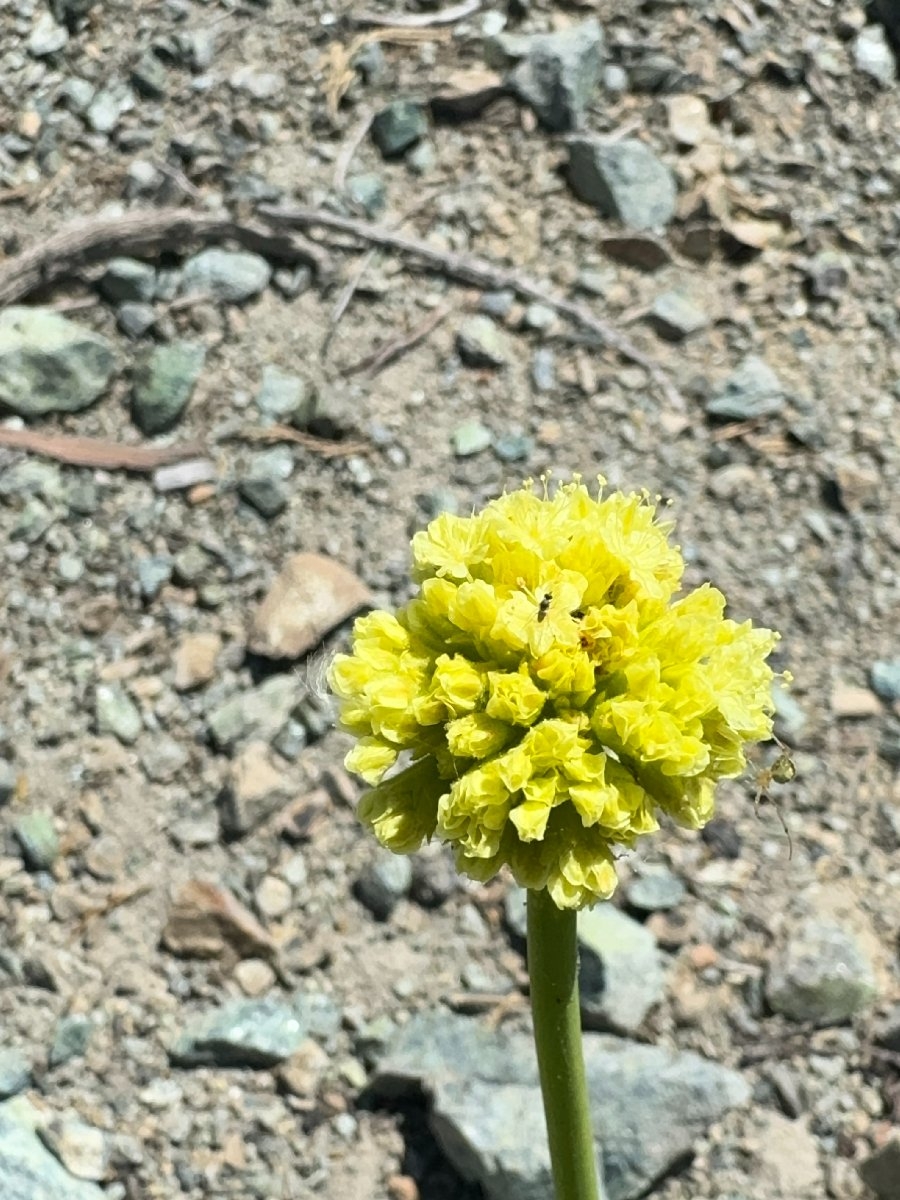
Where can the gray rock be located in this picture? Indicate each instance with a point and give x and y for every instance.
(116, 713)
(827, 275)
(873, 55)
(261, 85)
(497, 304)
(881, 1171)
(31, 477)
(15, 1073)
(267, 495)
(135, 319)
(32, 522)
(790, 718)
(149, 76)
(885, 677)
(513, 447)
(36, 835)
(128, 279)
(382, 883)
(292, 282)
(231, 276)
(543, 369)
(434, 878)
(482, 343)
(888, 1032)
(622, 179)
(368, 193)
(108, 106)
(163, 758)
(153, 573)
(656, 891)
(77, 94)
(822, 975)
(9, 778)
(28, 1171)
(515, 912)
(559, 73)
(285, 397)
(675, 317)
(163, 383)
(47, 37)
(257, 713)
(70, 1039)
(50, 364)
(470, 438)
(752, 390)
(398, 126)
(252, 1033)
(620, 975)
(648, 1105)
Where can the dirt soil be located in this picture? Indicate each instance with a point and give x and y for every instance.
(795, 515)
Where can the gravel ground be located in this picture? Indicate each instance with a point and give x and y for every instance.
(205, 963)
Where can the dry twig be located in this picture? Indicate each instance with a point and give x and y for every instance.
(349, 148)
(97, 452)
(338, 59)
(386, 353)
(444, 16)
(322, 446)
(143, 232)
(480, 273)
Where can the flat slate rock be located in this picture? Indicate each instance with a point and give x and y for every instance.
(649, 1105)
(28, 1171)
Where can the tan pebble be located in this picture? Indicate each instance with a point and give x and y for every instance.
(195, 660)
(311, 595)
(854, 702)
(703, 956)
(301, 1074)
(402, 1187)
(254, 977)
(273, 897)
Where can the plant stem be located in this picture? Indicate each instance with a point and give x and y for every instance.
(553, 969)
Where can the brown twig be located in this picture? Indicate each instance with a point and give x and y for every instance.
(97, 452)
(349, 149)
(480, 273)
(322, 446)
(386, 353)
(444, 16)
(143, 232)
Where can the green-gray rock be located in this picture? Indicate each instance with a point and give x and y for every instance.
(399, 126)
(255, 714)
(127, 279)
(674, 316)
(15, 1073)
(482, 343)
(254, 1033)
(163, 383)
(656, 891)
(821, 975)
(559, 74)
(649, 1105)
(116, 713)
(70, 1039)
(285, 397)
(28, 1171)
(622, 179)
(368, 193)
(620, 975)
(36, 835)
(751, 390)
(231, 276)
(470, 438)
(50, 364)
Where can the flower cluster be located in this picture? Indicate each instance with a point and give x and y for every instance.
(547, 692)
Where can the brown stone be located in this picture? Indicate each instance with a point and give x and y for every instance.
(255, 789)
(207, 921)
(195, 660)
(309, 598)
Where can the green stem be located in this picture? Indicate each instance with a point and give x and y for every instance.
(553, 969)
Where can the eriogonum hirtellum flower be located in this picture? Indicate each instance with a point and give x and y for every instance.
(546, 694)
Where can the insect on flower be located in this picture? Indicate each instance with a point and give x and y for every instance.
(781, 770)
(544, 606)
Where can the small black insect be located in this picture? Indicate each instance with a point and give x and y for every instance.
(544, 606)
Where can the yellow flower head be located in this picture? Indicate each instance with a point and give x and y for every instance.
(549, 695)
